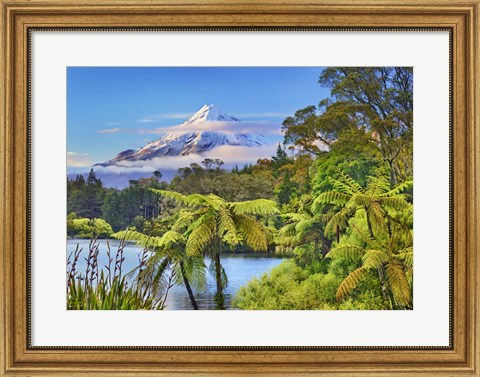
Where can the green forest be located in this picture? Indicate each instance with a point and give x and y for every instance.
(335, 200)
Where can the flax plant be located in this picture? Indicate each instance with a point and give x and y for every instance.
(110, 288)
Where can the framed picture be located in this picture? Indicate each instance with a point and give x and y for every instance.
(216, 188)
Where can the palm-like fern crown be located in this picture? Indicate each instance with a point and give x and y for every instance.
(377, 199)
(230, 222)
(301, 228)
(167, 251)
(394, 257)
(391, 253)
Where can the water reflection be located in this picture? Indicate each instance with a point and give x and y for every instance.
(240, 268)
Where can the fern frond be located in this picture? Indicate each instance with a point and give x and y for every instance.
(170, 238)
(377, 185)
(350, 282)
(198, 275)
(184, 220)
(397, 203)
(304, 225)
(295, 216)
(209, 200)
(398, 283)
(374, 259)
(376, 217)
(349, 252)
(201, 235)
(137, 237)
(346, 184)
(406, 256)
(180, 198)
(402, 187)
(226, 227)
(252, 232)
(330, 197)
(255, 207)
(288, 230)
(340, 220)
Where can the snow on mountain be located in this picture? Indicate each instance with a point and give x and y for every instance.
(191, 141)
(210, 113)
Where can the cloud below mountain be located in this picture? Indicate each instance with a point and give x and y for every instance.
(230, 155)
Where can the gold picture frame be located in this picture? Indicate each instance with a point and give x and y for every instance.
(461, 18)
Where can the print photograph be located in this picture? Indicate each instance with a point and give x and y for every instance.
(244, 188)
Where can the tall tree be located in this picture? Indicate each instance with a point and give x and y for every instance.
(380, 99)
(94, 193)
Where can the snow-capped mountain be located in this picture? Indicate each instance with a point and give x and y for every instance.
(193, 141)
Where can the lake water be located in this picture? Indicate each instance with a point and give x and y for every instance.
(240, 268)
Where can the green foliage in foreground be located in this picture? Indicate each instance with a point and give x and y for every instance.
(289, 287)
(368, 266)
(108, 296)
(112, 289)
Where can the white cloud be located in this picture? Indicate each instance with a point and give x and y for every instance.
(78, 160)
(156, 117)
(145, 120)
(111, 130)
(262, 127)
(230, 155)
(174, 115)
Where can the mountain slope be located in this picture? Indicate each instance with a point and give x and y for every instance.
(185, 139)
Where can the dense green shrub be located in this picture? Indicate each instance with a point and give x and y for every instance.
(87, 228)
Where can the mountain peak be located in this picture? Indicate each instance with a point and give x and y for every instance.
(197, 140)
(210, 113)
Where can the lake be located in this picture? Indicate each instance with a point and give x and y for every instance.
(240, 268)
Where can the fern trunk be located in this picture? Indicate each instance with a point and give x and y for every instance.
(219, 296)
(188, 287)
(387, 295)
(369, 224)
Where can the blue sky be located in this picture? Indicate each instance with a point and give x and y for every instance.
(130, 101)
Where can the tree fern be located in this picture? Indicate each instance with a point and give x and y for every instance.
(214, 223)
(201, 235)
(227, 229)
(254, 207)
(388, 258)
(132, 235)
(402, 187)
(374, 259)
(376, 218)
(173, 195)
(349, 252)
(397, 203)
(377, 185)
(252, 232)
(406, 256)
(351, 282)
(398, 283)
(376, 199)
(339, 220)
(330, 197)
